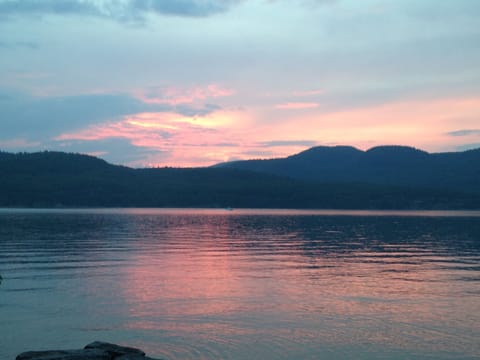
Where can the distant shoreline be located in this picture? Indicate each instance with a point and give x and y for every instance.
(247, 211)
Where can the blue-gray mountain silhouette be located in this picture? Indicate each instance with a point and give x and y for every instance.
(321, 177)
(384, 165)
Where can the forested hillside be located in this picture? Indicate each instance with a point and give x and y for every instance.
(55, 179)
(383, 165)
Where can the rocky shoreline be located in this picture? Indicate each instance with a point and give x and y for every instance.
(94, 351)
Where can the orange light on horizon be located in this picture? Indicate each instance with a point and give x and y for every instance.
(225, 135)
(419, 123)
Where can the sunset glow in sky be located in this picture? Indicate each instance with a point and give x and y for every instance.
(196, 82)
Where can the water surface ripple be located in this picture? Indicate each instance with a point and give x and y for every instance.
(242, 284)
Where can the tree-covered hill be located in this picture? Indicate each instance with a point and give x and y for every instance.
(56, 179)
(383, 165)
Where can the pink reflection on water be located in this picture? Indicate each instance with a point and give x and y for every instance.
(206, 281)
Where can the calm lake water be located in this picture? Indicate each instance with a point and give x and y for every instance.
(242, 284)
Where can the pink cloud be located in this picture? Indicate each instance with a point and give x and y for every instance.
(182, 137)
(227, 135)
(418, 123)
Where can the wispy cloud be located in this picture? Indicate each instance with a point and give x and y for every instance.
(464, 132)
(415, 123)
(167, 133)
(308, 93)
(168, 130)
(30, 45)
(465, 147)
(150, 127)
(18, 143)
(39, 116)
(124, 11)
(182, 95)
(23, 114)
(194, 8)
(297, 105)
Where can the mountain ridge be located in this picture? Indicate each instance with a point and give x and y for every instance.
(57, 179)
(382, 165)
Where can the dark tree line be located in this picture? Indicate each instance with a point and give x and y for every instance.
(55, 179)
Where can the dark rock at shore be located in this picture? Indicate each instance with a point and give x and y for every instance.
(90, 354)
(94, 351)
(114, 350)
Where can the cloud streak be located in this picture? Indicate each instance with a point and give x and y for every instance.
(167, 133)
(179, 95)
(25, 116)
(464, 132)
(30, 45)
(18, 143)
(297, 105)
(123, 11)
(193, 8)
(308, 93)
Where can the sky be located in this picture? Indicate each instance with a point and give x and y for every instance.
(197, 82)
